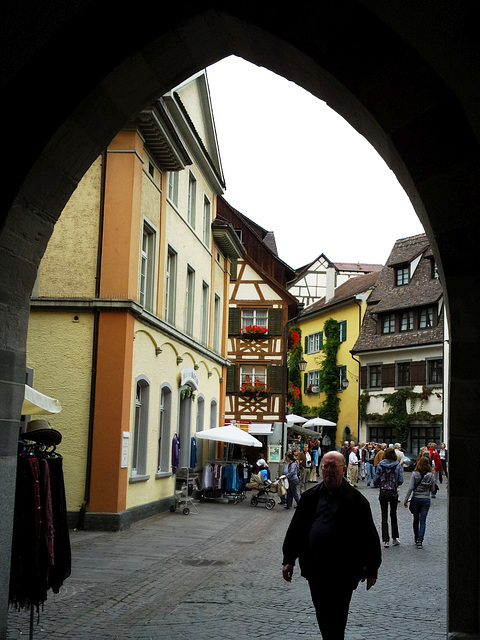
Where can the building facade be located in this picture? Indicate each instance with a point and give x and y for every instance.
(321, 277)
(346, 308)
(129, 314)
(401, 350)
(260, 308)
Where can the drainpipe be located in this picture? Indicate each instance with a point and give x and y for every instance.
(93, 379)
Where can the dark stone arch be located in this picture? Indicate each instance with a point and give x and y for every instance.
(407, 80)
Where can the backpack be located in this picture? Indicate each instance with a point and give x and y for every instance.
(388, 483)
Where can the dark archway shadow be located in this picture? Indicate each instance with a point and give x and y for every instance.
(406, 82)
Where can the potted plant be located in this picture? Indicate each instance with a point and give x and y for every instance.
(254, 330)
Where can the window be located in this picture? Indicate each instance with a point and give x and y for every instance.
(252, 374)
(189, 300)
(406, 321)
(140, 429)
(170, 286)
(403, 374)
(172, 193)
(401, 276)
(206, 221)
(250, 317)
(435, 371)
(192, 200)
(163, 463)
(374, 372)
(205, 311)
(147, 268)
(342, 329)
(388, 323)
(342, 377)
(314, 342)
(426, 318)
(312, 381)
(216, 323)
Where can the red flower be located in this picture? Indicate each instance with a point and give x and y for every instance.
(254, 329)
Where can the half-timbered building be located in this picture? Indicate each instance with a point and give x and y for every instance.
(259, 309)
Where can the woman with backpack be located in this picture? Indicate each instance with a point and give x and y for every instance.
(388, 477)
(422, 483)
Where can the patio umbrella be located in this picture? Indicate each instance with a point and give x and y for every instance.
(229, 433)
(319, 422)
(294, 419)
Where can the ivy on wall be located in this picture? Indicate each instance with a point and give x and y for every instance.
(397, 415)
(294, 355)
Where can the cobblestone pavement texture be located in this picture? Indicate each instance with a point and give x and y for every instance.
(217, 574)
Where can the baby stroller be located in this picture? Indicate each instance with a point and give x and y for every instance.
(263, 494)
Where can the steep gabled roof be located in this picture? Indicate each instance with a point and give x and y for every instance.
(346, 291)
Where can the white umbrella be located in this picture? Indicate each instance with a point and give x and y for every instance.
(294, 419)
(319, 422)
(229, 433)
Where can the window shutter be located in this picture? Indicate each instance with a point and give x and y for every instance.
(305, 382)
(306, 344)
(231, 378)
(343, 330)
(363, 377)
(233, 321)
(275, 317)
(275, 378)
(321, 339)
(418, 373)
(388, 375)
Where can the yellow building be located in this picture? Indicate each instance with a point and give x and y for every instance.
(346, 305)
(129, 314)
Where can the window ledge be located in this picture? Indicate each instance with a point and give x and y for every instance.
(163, 474)
(139, 478)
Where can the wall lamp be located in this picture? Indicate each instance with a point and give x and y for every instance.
(302, 364)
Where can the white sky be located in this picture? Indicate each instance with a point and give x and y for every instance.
(297, 168)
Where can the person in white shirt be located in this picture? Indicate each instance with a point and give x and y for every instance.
(352, 471)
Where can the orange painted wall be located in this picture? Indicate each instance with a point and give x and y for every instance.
(122, 218)
(113, 397)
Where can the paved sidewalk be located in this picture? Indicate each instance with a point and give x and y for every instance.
(217, 574)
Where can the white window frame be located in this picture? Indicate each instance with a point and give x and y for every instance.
(173, 185)
(253, 317)
(314, 342)
(216, 323)
(140, 428)
(254, 372)
(189, 300)
(205, 313)
(192, 200)
(170, 286)
(207, 219)
(313, 378)
(147, 268)
(164, 430)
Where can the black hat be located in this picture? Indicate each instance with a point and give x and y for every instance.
(42, 432)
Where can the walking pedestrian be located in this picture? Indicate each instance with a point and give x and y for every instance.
(304, 465)
(443, 453)
(421, 484)
(323, 521)
(369, 458)
(292, 477)
(352, 471)
(389, 476)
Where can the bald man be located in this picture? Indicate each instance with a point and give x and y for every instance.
(320, 535)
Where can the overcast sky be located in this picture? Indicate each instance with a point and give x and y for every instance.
(299, 169)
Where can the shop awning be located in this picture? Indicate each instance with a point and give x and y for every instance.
(36, 403)
(260, 429)
(303, 431)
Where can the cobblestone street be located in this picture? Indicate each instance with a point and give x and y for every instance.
(217, 574)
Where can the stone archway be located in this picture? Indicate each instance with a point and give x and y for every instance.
(408, 83)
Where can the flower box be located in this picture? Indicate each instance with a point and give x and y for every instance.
(254, 331)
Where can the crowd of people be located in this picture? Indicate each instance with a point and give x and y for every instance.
(326, 509)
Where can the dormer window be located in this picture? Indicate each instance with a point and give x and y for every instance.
(401, 275)
(425, 320)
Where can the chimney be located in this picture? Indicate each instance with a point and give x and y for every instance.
(330, 284)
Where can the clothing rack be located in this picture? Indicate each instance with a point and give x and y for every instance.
(41, 554)
(226, 480)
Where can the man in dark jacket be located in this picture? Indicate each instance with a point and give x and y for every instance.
(331, 519)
